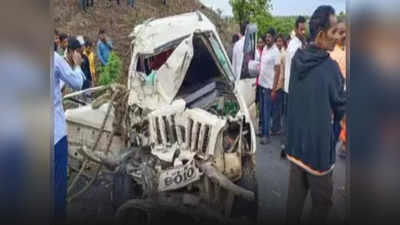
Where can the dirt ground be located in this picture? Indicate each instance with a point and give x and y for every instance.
(119, 21)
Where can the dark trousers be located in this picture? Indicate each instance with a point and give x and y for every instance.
(258, 105)
(321, 190)
(60, 179)
(265, 110)
(258, 94)
(336, 131)
(13, 172)
(277, 110)
(285, 127)
(86, 84)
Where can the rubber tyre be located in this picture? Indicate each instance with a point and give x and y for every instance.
(243, 207)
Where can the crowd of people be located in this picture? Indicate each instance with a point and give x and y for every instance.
(301, 96)
(86, 49)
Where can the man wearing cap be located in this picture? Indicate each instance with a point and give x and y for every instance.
(72, 75)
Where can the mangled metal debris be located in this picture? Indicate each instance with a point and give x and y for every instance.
(182, 126)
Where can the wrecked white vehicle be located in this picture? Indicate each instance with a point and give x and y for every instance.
(180, 137)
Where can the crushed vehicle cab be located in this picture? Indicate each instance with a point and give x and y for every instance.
(183, 130)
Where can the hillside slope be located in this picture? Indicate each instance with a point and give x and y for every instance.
(119, 21)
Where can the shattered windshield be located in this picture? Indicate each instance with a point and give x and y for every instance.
(221, 57)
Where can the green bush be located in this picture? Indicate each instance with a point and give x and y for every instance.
(111, 72)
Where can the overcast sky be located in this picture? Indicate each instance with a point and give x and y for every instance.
(283, 7)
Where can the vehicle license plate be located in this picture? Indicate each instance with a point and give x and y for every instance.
(178, 177)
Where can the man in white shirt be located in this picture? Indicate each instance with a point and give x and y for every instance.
(237, 55)
(270, 69)
(260, 47)
(72, 77)
(277, 94)
(295, 43)
(235, 38)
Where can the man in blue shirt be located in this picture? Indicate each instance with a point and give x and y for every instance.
(104, 47)
(72, 77)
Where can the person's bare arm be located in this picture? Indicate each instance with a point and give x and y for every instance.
(282, 72)
(277, 69)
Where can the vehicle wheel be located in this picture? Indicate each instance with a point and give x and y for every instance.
(243, 207)
(123, 187)
(136, 216)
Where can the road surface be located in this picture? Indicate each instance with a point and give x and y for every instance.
(273, 178)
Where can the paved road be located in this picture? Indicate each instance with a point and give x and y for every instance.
(273, 177)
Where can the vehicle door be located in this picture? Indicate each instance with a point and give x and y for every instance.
(246, 82)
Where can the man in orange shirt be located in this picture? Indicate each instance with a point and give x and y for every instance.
(339, 55)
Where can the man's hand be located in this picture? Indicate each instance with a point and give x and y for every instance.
(77, 58)
(273, 95)
(276, 78)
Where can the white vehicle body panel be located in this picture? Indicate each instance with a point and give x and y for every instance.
(155, 33)
(148, 39)
(174, 70)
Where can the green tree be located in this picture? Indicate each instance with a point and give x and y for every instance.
(280, 24)
(341, 16)
(111, 72)
(284, 24)
(252, 10)
(258, 11)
